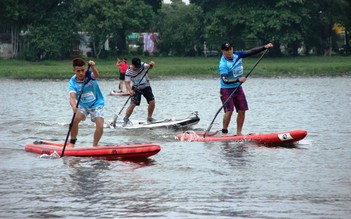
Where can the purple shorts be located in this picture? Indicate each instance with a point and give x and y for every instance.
(237, 100)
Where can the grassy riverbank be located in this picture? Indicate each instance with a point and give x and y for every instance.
(185, 66)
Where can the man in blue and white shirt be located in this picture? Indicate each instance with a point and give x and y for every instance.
(231, 76)
(91, 101)
(137, 74)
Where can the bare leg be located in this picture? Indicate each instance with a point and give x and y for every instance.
(121, 82)
(150, 108)
(99, 130)
(130, 110)
(74, 130)
(226, 119)
(240, 121)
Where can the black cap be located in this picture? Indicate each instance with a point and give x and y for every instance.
(226, 46)
(136, 62)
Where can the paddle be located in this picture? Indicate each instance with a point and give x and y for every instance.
(130, 96)
(74, 114)
(219, 110)
(116, 116)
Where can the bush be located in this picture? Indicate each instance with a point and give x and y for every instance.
(28, 55)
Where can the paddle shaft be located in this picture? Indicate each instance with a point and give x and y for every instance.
(74, 114)
(130, 96)
(124, 105)
(230, 96)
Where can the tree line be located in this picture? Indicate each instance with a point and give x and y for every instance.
(53, 28)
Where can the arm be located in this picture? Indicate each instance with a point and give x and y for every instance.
(151, 64)
(256, 50)
(72, 101)
(227, 80)
(223, 70)
(95, 71)
(118, 61)
(129, 88)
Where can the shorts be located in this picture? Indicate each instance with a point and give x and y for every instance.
(97, 112)
(146, 92)
(238, 99)
(122, 76)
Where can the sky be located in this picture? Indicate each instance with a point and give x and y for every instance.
(169, 1)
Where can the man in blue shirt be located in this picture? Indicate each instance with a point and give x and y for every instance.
(91, 102)
(231, 75)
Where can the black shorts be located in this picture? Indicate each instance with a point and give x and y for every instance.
(146, 92)
(122, 76)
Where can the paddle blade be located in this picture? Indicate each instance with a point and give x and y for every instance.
(114, 121)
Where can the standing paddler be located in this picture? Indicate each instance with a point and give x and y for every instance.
(231, 77)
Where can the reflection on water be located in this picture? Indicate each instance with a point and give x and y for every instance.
(86, 176)
(311, 179)
(235, 153)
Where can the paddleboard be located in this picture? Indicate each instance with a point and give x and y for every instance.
(268, 138)
(114, 93)
(193, 119)
(113, 152)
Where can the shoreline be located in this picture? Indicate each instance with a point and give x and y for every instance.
(334, 66)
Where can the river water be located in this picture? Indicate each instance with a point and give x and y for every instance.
(185, 179)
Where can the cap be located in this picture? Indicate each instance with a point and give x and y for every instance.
(226, 45)
(125, 59)
(136, 62)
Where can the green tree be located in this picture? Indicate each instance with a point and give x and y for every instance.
(15, 15)
(46, 25)
(290, 23)
(242, 20)
(316, 27)
(114, 20)
(55, 34)
(278, 22)
(155, 4)
(51, 27)
(181, 29)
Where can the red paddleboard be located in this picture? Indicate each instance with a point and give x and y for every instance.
(113, 152)
(270, 138)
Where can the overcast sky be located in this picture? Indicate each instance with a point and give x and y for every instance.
(169, 1)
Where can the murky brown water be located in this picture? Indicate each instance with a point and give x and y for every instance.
(186, 179)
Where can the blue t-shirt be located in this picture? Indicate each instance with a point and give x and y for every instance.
(92, 96)
(231, 68)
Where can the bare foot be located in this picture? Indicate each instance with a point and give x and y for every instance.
(70, 145)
